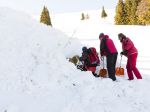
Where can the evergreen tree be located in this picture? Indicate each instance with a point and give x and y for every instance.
(120, 13)
(143, 12)
(103, 14)
(45, 18)
(128, 5)
(82, 16)
(133, 11)
(87, 16)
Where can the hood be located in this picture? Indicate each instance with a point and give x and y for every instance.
(106, 36)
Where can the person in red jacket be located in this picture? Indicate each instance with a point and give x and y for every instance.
(90, 60)
(131, 53)
(108, 49)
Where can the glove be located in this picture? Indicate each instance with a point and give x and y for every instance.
(78, 66)
(122, 53)
(94, 63)
(125, 52)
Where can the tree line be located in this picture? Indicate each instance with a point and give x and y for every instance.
(45, 16)
(132, 12)
(128, 12)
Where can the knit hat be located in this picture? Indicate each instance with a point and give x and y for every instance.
(101, 35)
(121, 35)
(84, 49)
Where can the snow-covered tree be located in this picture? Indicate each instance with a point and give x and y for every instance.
(45, 17)
(128, 6)
(82, 16)
(87, 16)
(143, 12)
(133, 11)
(120, 13)
(103, 14)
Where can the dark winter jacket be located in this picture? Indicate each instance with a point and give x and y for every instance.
(86, 59)
(107, 46)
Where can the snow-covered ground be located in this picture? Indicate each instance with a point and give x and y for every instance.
(36, 77)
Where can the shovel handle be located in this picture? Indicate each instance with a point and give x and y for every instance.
(103, 62)
(120, 61)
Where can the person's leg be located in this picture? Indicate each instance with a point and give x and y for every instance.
(129, 70)
(110, 67)
(114, 63)
(134, 68)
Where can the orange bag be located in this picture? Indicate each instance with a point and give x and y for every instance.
(119, 70)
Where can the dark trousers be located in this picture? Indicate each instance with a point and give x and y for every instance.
(111, 65)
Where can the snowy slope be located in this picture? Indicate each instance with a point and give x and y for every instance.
(36, 77)
(32, 64)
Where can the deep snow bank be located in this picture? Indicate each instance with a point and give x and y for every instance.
(32, 61)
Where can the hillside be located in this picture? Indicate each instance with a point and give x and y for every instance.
(36, 77)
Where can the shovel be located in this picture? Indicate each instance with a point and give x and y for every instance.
(103, 71)
(120, 70)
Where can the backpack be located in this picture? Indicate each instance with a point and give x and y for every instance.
(93, 56)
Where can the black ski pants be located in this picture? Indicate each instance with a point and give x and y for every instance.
(111, 65)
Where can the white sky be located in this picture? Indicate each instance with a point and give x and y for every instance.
(34, 7)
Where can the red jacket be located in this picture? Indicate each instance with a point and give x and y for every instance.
(128, 45)
(107, 46)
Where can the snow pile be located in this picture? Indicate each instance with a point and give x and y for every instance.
(32, 62)
(36, 77)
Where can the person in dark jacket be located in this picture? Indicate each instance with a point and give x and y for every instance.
(108, 49)
(87, 64)
(131, 53)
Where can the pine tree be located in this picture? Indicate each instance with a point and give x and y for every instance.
(128, 5)
(82, 16)
(133, 11)
(120, 13)
(143, 12)
(87, 16)
(45, 18)
(103, 14)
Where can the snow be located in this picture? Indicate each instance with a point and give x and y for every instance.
(35, 75)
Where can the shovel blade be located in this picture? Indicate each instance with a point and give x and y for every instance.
(103, 73)
(119, 71)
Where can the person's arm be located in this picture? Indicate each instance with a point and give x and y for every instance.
(127, 45)
(102, 46)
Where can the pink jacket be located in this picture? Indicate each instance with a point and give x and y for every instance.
(107, 46)
(128, 45)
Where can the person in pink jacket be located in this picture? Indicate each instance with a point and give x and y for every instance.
(131, 53)
(108, 49)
